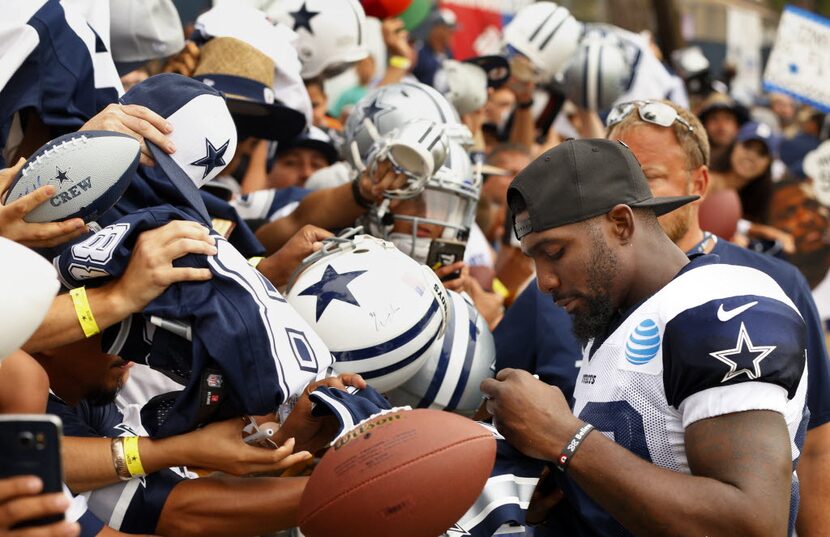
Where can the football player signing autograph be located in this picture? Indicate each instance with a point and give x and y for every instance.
(689, 409)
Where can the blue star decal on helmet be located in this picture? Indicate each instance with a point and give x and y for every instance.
(61, 176)
(213, 158)
(332, 287)
(374, 108)
(302, 18)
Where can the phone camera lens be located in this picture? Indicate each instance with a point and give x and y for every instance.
(26, 439)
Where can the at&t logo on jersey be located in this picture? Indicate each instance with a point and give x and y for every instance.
(643, 343)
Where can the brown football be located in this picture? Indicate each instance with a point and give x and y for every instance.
(412, 473)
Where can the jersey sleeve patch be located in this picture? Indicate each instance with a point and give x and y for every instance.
(731, 341)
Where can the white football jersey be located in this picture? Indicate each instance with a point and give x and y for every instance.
(717, 339)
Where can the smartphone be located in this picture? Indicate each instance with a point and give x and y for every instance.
(30, 444)
(443, 252)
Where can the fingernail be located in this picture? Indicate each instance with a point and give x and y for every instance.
(32, 484)
(59, 502)
(72, 529)
(168, 127)
(212, 251)
(171, 147)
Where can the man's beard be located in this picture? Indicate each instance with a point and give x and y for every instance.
(600, 309)
(676, 223)
(103, 396)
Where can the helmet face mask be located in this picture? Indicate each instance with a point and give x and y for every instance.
(445, 209)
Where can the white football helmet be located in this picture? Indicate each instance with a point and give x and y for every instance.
(450, 199)
(547, 34)
(331, 34)
(30, 284)
(390, 107)
(377, 310)
(457, 364)
(417, 149)
(598, 74)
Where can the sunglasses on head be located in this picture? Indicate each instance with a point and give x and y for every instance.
(653, 112)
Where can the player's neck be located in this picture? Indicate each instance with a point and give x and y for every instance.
(665, 260)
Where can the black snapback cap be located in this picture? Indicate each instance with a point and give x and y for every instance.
(578, 180)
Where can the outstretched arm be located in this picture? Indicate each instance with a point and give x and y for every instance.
(230, 506)
(740, 464)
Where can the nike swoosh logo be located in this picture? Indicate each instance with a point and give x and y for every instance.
(724, 315)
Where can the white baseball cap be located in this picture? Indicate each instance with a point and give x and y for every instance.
(143, 30)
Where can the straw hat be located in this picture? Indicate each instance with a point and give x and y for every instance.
(246, 77)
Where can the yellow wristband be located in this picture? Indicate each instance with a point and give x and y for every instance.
(132, 457)
(84, 312)
(254, 261)
(400, 62)
(500, 289)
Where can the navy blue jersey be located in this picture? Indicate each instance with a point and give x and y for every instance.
(537, 335)
(151, 188)
(132, 506)
(68, 75)
(248, 352)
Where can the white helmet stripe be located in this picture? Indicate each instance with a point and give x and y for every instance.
(472, 339)
(547, 40)
(542, 25)
(443, 361)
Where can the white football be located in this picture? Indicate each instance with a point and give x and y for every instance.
(377, 310)
(90, 171)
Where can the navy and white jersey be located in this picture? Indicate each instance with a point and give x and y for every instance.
(248, 352)
(717, 339)
(151, 188)
(796, 287)
(53, 62)
(132, 506)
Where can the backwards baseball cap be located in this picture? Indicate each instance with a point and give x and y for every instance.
(203, 131)
(578, 180)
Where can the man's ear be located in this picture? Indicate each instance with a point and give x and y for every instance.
(621, 220)
(699, 182)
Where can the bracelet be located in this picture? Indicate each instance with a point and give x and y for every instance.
(570, 448)
(400, 62)
(254, 261)
(84, 312)
(118, 460)
(358, 197)
(132, 457)
(525, 105)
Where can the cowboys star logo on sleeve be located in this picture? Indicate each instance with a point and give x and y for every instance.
(744, 355)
